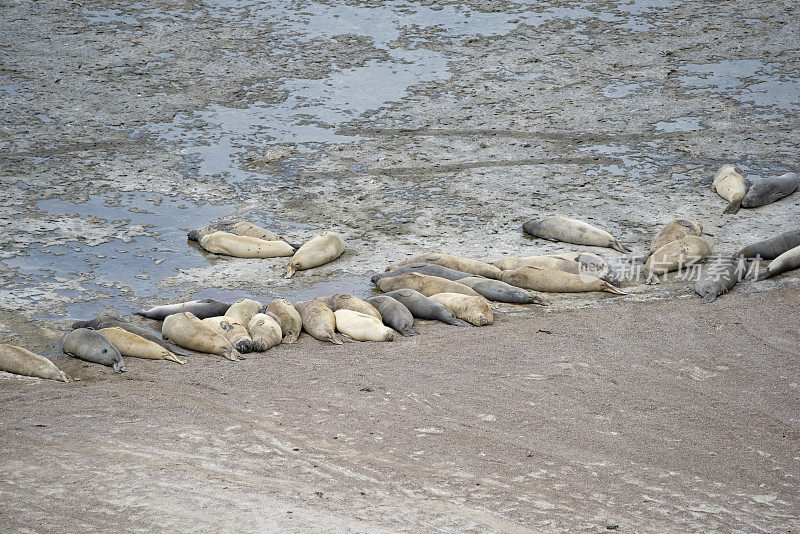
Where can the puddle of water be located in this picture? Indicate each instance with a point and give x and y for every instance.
(621, 90)
(681, 124)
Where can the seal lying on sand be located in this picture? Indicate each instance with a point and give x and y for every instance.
(571, 231)
(343, 301)
(92, 346)
(319, 321)
(571, 262)
(719, 277)
(321, 249)
(554, 281)
(456, 263)
(266, 332)
(186, 330)
(112, 321)
(422, 307)
(427, 285)
(431, 269)
(243, 310)
(730, 185)
(768, 190)
(234, 331)
(287, 317)
(199, 308)
(501, 292)
(129, 344)
(769, 249)
(788, 261)
(474, 310)
(23, 362)
(676, 255)
(241, 246)
(675, 230)
(362, 327)
(394, 314)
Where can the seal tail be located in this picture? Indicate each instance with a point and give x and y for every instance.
(733, 207)
(536, 299)
(63, 376)
(611, 289)
(290, 270)
(171, 357)
(616, 245)
(710, 297)
(763, 276)
(458, 322)
(336, 339)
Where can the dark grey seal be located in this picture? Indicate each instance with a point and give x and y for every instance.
(394, 314)
(501, 292)
(768, 190)
(769, 249)
(719, 277)
(220, 226)
(203, 309)
(423, 268)
(424, 308)
(110, 321)
(92, 346)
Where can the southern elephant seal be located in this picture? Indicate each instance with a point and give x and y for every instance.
(362, 327)
(92, 346)
(243, 310)
(769, 249)
(719, 277)
(188, 331)
(768, 190)
(474, 310)
(568, 230)
(266, 332)
(730, 185)
(111, 321)
(394, 314)
(321, 249)
(243, 228)
(788, 261)
(23, 362)
(135, 346)
(555, 281)
(234, 331)
(675, 230)
(427, 285)
(676, 255)
(242, 246)
(431, 269)
(287, 317)
(501, 292)
(456, 263)
(422, 307)
(319, 321)
(199, 308)
(571, 262)
(343, 301)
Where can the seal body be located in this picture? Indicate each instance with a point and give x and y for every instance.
(129, 344)
(112, 321)
(319, 321)
(234, 331)
(422, 307)
(266, 332)
(768, 190)
(501, 292)
(675, 230)
(719, 277)
(23, 362)
(243, 310)
(321, 249)
(186, 330)
(242, 246)
(474, 310)
(343, 301)
(92, 346)
(394, 314)
(568, 230)
(287, 317)
(555, 281)
(199, 308)
(427, 285)
(730, 185)
(788, 261)
(431, 269)
(243, 228)
(570, 262)
(456, 263)
(769, 249)
(676, 255)
(361, 326)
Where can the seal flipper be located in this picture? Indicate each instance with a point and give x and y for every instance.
(652, 278)
(709, 297)
(611, 289)
(616, 245)
(336, 339)
(290, 270)
(733, 207)
(408, 332)
(119, 367)
(536, 299)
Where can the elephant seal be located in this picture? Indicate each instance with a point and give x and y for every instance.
(92, 346)
(501, 292)
(571, 231)
(788, 261)
(199, 308)
(23, 362)
(675, 230)
(474, 310)
(769, 249)
(242, 246)
(431, 269)
(188, 331)
(768, 190)
(573, 263)
(719, 277)
(456, 263)
(343, 301)
(730, 185)
(266, 332)
(422, 307)
(318, 320)
(287, 317)
(555, 281)
(131, 345)
(111, 321)
(242, 228)
(321, 249)
(676, 255)
(362, 327)
(243, 310)
(234, 331)
(427, 285)
(394, 314)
